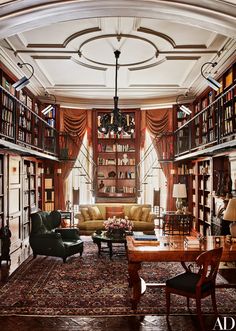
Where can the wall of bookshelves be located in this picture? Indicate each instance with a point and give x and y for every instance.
(30, 203)
(214, 119)
(116, 157)
(25, 123)
(2, 203)
(49, 131)
(49, 188)
(21, 118)
(7, 109)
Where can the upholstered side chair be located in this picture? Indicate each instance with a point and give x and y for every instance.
(197, 285)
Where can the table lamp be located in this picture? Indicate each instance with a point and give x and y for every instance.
(179, 192)
(230, 215)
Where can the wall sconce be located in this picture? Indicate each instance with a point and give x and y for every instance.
(183, 108)
(172, 171)
(24, 80)
(59, 171)
(50, 107)
(211, 81)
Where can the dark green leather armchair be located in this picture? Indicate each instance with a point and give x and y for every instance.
(47, 239)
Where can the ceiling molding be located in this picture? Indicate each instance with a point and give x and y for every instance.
(119, 37)
(119, 65)
(148, 66)
(40, 57)
(67, 41)
(218, 16)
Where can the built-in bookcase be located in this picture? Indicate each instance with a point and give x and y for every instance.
(7, 109)
(25, 127)
(49, 132)
(49, 188)
(37, 124)
(30, 203)
(116, 157)
(2, 190)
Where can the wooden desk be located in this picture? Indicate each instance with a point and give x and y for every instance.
(171, 249)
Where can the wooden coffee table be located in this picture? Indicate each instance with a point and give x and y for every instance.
(109, 241)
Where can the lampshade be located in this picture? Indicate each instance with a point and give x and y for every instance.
(230, 215)
(179, 191)
(230, 212)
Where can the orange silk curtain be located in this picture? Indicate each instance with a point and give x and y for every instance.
(74, 123)
(160, 121)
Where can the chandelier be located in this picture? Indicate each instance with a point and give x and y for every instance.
(116, 122)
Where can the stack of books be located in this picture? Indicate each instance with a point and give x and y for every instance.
(192, 241)
(145, 239)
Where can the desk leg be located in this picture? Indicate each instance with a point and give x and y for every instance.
(136, 283)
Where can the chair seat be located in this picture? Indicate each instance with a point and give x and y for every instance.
(187, 282)
(72, 242)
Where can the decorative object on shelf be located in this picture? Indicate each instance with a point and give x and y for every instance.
(68, 205)
(50, 107)
(116, 227)
(24, 80)
(210, 80)
(230, 215)
(183, 108)
(101, 185)
(125, 159)
(115, 121)
(180, 193)
(111, 174)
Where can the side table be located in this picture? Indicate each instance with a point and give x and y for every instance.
(177, 224)
(68, 215)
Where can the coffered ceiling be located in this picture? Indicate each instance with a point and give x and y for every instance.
(161, 55)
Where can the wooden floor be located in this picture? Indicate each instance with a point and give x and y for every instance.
(109, 323)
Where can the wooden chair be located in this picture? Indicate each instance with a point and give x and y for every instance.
(197, 285)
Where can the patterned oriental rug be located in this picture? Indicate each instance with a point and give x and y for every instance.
(95, 286)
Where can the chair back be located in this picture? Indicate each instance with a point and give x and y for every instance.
(208, 263)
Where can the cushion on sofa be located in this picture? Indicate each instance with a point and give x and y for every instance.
(145, 214)
(85, 214)
(94, 213)
(135, 213)
(115, 211)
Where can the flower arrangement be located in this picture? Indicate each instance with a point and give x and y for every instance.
(118, 223)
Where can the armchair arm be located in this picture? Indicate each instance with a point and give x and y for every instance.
(151, 217)
(68, 233)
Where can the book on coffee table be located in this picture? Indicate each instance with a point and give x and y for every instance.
(145, 237)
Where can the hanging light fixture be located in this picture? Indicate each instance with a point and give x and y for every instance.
(116, 122)
(50, 107)
(183, 108)
(24, 80)
(210, 80)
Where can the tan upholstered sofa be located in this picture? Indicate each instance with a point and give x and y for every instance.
(91, 217)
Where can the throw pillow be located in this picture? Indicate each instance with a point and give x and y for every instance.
(145, 214)
(135, 213)
(95, 213)
(85, 214)
(115, 211)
